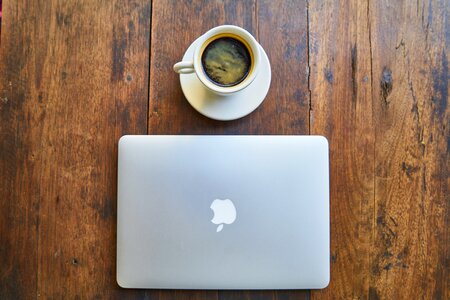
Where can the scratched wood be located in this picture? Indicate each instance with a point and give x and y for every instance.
(73, 79)
(341, 109)
(281, 28)
(379, 84)
(371, 76)
(410, 46)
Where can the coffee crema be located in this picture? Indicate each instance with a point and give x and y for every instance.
(226, 61)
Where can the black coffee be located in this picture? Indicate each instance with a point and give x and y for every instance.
(226, 61)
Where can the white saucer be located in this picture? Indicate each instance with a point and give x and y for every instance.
(231, 107)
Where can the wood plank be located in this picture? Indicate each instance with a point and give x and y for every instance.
(341, 109)
(74, 78)
(285, 110)
(410, 43)
(282, 31)
(400, 239)
(19, 205)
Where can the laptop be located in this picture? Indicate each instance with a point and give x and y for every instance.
(223, 212)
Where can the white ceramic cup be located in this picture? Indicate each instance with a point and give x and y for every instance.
(195, 65)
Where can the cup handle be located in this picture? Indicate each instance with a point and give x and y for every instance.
(184, 67)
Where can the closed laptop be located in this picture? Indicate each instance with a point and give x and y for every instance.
(223, 212)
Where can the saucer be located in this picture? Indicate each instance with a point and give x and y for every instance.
(231, 107)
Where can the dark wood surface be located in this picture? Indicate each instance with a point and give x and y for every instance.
(372, 76)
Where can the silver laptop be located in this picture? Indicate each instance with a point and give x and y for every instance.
(223, 212)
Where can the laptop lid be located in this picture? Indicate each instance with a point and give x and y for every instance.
(223, 212)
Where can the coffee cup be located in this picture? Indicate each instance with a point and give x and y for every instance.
(226, 60)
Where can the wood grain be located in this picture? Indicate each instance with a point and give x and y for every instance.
(74, 78)
(379, 84)
(341, 110)
(372, 76)
(410, 44)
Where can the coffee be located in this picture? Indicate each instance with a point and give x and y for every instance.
(226, 61)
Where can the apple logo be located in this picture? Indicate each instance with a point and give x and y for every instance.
(224, 213)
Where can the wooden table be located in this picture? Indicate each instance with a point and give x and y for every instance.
(372, 76)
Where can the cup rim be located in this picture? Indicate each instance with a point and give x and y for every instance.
(242, 33)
